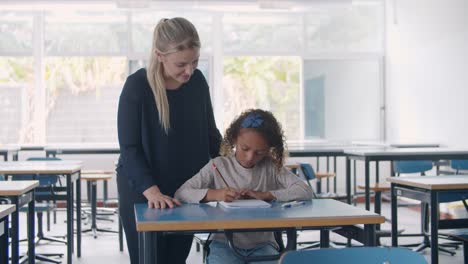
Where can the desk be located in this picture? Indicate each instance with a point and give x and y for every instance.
(6, 150)
(202, 218)
(5, 211)
(20, 193)
(81, 148)
(392, 154)
(432, 190)
(72, 171)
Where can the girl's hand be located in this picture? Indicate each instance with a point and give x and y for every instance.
(158, 200)
(251, 194)
(226, 195)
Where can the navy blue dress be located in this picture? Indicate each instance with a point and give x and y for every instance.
(149, 156)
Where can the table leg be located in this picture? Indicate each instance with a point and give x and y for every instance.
(69, 219)
(434, 205)
(324, 238)
(4, 254)
(366, 174)
(394, 206)
(31, 226)
(369, 235)
(78, 215)
(348, 180)
(15, 232)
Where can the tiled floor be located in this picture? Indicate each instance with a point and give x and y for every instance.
(105, 249)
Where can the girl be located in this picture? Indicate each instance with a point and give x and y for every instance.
(254, 170)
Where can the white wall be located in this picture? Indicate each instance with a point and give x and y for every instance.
(427, 71)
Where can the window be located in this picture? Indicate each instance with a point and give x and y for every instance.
(270, 83)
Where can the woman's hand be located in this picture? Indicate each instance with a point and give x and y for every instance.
(226, 194)
(158, 200)
(249, 194)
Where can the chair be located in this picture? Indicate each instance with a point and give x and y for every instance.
(45, 192)
(421, 167)
(460, 165)
(362, 255)
(309, 174)
(459, 235)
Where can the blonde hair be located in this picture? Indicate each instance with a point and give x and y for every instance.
(169, 36)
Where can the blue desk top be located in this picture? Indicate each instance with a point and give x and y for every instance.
(204, 217)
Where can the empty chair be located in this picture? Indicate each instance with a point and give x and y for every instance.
(45, 192)
(362, 255)
(309, 174)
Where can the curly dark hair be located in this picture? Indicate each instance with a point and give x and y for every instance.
(270, 129)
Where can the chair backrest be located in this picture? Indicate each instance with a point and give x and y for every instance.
(307, 171)
(459, 165)
(362, 255)
(412, 166)
(44, 180)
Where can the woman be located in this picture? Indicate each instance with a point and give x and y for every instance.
(166, 132)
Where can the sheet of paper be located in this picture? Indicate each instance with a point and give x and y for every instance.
(239, 204)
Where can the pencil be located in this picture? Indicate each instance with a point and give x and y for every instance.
(220, 175)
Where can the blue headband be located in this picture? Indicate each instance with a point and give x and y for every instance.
(253, 120)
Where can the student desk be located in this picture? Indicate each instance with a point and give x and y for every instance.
(71, 170)
(5, 211)
(91, 148)
(392, 154)
(432, 190)
(204, 218)
(6, 150)
(20, 193)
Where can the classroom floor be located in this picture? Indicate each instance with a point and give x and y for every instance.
(105, 249)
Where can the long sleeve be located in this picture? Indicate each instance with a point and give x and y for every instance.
(195, 189)
(129, 122)
(291, 187)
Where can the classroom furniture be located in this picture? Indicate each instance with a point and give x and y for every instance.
(322, 214)
(20, 194)
(6, 150)
(392, 154)
(460, 235)
(82, 148)
(361, 255)
(71, 170)
(47, 191)
(432, 190)
(5, 211)
(308, 172)
(93, 179)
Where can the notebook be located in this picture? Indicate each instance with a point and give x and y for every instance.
(250, 203)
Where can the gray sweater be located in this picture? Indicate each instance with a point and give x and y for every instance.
(282, 184)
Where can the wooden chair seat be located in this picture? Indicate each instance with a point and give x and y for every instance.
(96, 172)
(378, 187)
(96, 177)
(321, 175)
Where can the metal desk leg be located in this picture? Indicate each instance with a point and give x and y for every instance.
(78, 215)
(434, 205)
(15, 232)
(367, 175)
(369, 235)
(31, 231)
(394, 216)
(69, 219)
(148, 247)
(348, 180)
(4, 255)
(324, 238)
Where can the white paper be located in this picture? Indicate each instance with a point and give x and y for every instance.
(250, 203)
